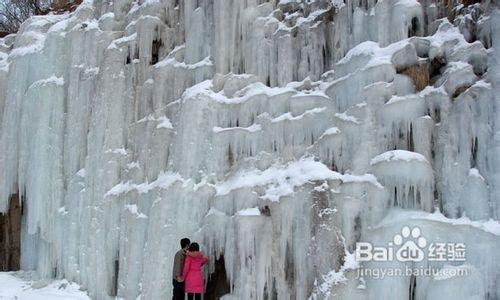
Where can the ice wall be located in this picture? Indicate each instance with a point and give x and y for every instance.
(275, 133)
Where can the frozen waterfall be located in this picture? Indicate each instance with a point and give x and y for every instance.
(277, 133)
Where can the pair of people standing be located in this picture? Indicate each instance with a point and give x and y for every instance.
(186, 273)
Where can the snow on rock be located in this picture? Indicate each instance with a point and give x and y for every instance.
(332, 122)
(398, 155)
(171, 61)
(333, 277)
(409, 175)
(51, 80)
(254, 211)
(288, 116)
(345, 117)
(120, 151)
(163, 181)
(399, 54)
(489, 226)
(164, 122)
(132, 208)
(457, 75)
(332, 130)
(281, 180)
(476, 188)
(252, 128)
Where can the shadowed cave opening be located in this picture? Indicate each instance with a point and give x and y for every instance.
(10, 236)
(114, 281)
(218, 283)
(414, 29)
(155, 51)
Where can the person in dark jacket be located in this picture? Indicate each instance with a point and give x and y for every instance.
(177, 279)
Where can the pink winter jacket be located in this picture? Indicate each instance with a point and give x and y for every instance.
(193, 278)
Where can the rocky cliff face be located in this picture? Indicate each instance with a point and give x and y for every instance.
(278, 134)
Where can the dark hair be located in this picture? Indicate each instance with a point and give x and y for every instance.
(185, 242)
(194, 247)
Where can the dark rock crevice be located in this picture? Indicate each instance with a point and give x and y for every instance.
(10, 236)
(218, 283)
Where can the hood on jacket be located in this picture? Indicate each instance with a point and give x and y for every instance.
(194, 254)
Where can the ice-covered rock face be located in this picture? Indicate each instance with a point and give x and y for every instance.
(278, 134)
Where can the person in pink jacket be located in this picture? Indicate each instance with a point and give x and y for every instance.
(194, 285)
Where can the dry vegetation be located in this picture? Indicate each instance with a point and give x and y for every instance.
(14, 12)
(419, 74)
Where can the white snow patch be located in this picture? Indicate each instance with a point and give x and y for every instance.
(369, 178)
(115, 44)
(399, 215)
(13, 287)
(281, 180)
(378, 56)
(35, 46)
(289, 117)
(398, 155)
(408, 3)
(482, 84)
(252, 90)
(431, 90)
(254, 211)
(333, 277)
(91, 71)
(62, 210)
(396, 99)
(214, 212)
(345, 117)
(134, 210)
(330, 131)
(133, 165)
(120, 151)
(108, 15)
(59, 81)
(475, 173)
(164, 123)
(252, 128)
(81, 173)
(176, 64)
(164, 181)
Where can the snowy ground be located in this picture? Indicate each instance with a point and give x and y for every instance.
(19, 285)
(277, 134)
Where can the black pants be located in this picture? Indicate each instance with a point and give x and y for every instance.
(193, 296)
(178, 290)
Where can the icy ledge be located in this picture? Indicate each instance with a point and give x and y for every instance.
(281, 180)
(396, 216)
